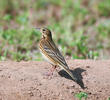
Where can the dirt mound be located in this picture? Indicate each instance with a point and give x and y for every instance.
(27, 81)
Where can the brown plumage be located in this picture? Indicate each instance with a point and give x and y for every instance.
(51, 52)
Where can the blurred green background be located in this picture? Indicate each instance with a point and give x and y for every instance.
(81, 28)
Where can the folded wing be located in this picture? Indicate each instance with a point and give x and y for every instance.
(52, 51)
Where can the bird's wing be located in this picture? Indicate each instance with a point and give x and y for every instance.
(52, 51)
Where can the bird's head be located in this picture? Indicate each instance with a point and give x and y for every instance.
(46, 33)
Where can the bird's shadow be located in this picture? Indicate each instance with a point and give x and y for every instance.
(76, 73)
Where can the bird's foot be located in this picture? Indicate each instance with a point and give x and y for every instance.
(50, 74)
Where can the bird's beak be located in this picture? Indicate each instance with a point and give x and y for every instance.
(38, 29)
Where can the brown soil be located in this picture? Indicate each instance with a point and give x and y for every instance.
(27, 81)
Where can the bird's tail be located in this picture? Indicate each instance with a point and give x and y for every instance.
(70, 73)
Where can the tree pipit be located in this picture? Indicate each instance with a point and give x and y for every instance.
(51, 52)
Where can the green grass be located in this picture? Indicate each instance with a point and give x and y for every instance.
(81, 95)
(80, 29)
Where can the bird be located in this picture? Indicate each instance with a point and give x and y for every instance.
(50, 51)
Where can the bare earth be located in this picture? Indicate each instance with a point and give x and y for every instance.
(28, 81)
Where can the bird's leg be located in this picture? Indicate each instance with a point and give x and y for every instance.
(51, 70)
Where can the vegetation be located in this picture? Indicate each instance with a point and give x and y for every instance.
(80, 28)
(81, 95)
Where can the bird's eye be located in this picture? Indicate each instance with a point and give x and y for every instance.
(43, 29)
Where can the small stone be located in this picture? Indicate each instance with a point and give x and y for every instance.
(31, 93)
